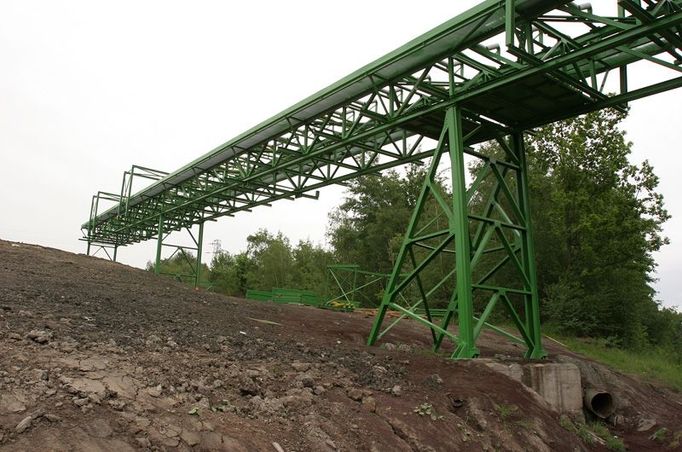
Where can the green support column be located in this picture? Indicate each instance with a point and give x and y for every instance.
(93, 217)
(459, 227)
(394, 285)
(398, 280)
(475, 253)
(532, 301)
(501, 228)
(159, 244)
(200, 242)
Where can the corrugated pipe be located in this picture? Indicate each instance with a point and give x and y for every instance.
(599, 402)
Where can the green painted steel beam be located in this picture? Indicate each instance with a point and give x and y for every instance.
(298, 147)
(490, 73)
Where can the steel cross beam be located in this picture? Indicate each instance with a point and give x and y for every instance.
(194, 265)
(352, 283)
(393, 111)
(498, 69)
(502, 239)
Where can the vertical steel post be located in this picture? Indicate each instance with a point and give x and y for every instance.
(623, 70)
(159, 244)
(459, 227)
(395, 282)
(91, 223)
(509, 22)
(468, 250)
(327, 292)
(532, 301)
(115, 251)
(123, 187)
(392, 287)
(200, 242)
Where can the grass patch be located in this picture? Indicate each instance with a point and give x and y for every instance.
(525, 423)
(426, 409)
(505, 411)
(660, 434)
(592, 433)
(612, 442)
(677, 438)
(654, 364)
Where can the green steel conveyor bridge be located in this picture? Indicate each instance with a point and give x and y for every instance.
(491, 73)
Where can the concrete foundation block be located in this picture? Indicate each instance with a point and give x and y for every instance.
(558, 383)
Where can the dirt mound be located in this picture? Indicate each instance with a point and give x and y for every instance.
(100, 356)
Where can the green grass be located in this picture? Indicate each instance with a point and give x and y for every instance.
(506, 411)
(654, 364)
(660, 434)
(590, 433)
(612, 442)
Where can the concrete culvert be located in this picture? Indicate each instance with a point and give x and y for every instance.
(599, 402)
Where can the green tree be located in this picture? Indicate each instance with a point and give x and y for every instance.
(368, 227)
(228, 274)
(598, 219)
(310, 266)
(180, 266)
(271, 260)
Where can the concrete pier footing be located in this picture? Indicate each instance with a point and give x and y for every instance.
(558, 384)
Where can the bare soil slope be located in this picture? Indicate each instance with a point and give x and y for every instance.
(100, 356)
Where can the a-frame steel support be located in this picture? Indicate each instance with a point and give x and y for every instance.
(484, 239)
(504, 67)
(193, 263)
(110, 251)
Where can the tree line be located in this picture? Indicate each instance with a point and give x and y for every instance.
(597, 222)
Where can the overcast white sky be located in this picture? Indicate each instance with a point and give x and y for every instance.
(87, 88)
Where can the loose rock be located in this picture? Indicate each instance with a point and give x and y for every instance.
(143, 442)
(435, 378)
(645, 424)
(369, 404)
(191, 438)
(24, 425)
(355, 394)
(52, 417)
(155, 391)
(39, 336)
(306, 380)
(404, 348)
(80, 401)
(300, 367)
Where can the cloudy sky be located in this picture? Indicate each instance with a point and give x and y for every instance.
(88, 88)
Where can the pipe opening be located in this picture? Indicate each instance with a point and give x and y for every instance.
(600, 403)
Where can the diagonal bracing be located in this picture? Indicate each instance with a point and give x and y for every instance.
(491, 73)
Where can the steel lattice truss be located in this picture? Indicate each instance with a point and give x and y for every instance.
(491, 73)
(557, 60)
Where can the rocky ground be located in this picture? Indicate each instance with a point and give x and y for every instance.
(100, 356)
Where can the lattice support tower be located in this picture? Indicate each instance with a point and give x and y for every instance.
(500, 69)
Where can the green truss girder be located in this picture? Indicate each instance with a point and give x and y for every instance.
(382, 125)
(499, 69)
(183, 250)
(348, 282)
(502, 230)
